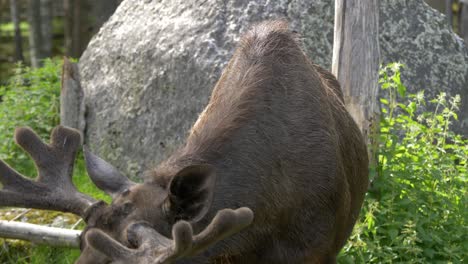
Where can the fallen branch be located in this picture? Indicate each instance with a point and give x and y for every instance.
(51, 236)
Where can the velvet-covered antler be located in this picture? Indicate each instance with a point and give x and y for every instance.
(152, 247)
(53, 189)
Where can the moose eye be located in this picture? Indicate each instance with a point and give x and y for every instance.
(165, 208)
(126, 208)
(126, 192)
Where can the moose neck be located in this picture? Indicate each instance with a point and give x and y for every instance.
(242, 129)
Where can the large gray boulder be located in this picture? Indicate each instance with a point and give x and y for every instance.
(150, 70)
(420, 37)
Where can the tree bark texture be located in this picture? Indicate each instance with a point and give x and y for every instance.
(72, 108)
(16, 23)
(356, 59)
(448, 12)
(464, 21)
(83, 19)
(35, 36)
(51, 236)
(40, 30)
(46, 27)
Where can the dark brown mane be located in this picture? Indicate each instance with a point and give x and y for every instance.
(266, 60)
(271, 39)
(289, 114)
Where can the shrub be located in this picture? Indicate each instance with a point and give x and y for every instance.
(416, 208)
(30, 98)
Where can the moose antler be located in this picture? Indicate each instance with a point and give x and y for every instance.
(153, 247)
(53, 189)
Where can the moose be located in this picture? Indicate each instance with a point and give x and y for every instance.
(274, 170)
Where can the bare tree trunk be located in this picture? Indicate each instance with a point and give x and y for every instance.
(101, 11)
(356, 59)
(464, 21)
(83, 18)
(73, 26)
(35, 36)
(46, 27)
(40, 28)
(448, 12)
(16, 23)
(68, 23)
(77, 25)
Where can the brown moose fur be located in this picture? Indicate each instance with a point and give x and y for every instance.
(280, 141)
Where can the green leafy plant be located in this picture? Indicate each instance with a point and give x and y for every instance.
(416, 208)
(31, 98)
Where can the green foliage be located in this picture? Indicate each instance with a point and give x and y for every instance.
(416, 208)
(24, 254)
(31, 98)
(8, 29)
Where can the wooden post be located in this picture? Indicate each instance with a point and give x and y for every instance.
(356, 59)
(44, 235)
(72, 108)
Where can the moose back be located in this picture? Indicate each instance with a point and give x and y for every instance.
(273, 171)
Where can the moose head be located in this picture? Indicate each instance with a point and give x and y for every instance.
(145, 223)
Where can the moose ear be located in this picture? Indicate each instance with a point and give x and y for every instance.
(191, 192)
(104, 175)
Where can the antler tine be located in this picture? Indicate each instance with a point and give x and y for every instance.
(108, 246)
(151, 244)
(53, 188)
(226, 223)
(155, 248)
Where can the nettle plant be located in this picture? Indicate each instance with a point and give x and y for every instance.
(30, 98)
(416, 209)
